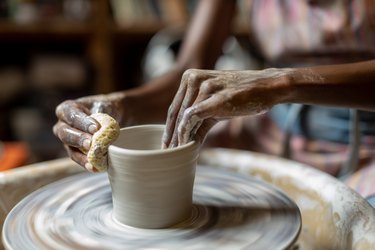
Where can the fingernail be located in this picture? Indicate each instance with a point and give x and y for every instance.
(93, 128)
(86, 144)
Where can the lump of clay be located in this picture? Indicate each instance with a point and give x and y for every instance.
(97, 156)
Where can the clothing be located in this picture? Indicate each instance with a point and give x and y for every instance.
(324, 123)
(294, 33)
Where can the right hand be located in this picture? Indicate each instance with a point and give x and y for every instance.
(206, 97)
(75, 127)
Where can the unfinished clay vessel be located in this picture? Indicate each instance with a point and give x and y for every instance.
(151, 187)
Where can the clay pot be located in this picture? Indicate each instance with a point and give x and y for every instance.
(151, 187)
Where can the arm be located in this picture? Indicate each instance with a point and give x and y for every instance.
(346, 85)
(206, 97)
(207, 32)
(148, 103)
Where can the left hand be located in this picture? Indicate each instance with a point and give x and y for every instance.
(208, 96)
(75, 126)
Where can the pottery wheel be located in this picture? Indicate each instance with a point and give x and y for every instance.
(231, 211)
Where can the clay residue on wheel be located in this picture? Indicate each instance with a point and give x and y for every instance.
(97, 156)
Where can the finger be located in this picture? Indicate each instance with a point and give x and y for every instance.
(195, 129)
(172, 115)
(80, 158)
(189, 122)
(189, 128)
(71, 136)
(193, 81)
(195, 115)
(77, 116)
(200, 135)
(102, 107)
(189, 99)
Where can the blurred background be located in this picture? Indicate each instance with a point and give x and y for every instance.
(53, 50)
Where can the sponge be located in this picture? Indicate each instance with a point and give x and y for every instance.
(97, 156)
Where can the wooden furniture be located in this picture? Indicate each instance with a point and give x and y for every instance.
(100, 37)
(95, 35)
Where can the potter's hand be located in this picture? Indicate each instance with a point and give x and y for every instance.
(208, 96)
(75, 127)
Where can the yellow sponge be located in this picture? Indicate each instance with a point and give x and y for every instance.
(97, 156)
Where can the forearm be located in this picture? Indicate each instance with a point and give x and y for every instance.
(202, 46)
(345, 85)
(149, 103)
(208, 30)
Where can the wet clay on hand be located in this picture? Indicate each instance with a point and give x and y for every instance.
(206, 97)
(97, 156)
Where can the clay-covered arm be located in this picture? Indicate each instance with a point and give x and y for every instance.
(208, 96)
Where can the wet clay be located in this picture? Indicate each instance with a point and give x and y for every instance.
(151, 187)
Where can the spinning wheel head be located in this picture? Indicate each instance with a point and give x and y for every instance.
(230, 211)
